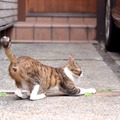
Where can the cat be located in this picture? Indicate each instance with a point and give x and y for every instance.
(35, 77)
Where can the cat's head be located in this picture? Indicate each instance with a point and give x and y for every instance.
(72, 69)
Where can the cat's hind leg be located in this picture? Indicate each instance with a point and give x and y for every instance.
(34, 93)
(18, 91)
(19, 94)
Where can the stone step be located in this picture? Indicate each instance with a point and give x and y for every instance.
(55, 29)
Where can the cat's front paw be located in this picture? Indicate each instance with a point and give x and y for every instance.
(92, 90)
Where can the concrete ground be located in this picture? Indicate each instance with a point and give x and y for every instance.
(115, 56)
(97, 74)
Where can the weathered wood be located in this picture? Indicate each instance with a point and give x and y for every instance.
(60, 6)
(8, 12)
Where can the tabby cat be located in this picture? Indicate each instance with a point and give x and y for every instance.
(33, 76)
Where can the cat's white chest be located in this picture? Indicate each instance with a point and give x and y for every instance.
(68, 73)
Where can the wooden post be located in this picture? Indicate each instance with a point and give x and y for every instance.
(21, 10)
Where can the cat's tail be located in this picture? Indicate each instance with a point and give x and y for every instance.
(6, 43)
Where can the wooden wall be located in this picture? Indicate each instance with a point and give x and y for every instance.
(8, 12)
(61, 6)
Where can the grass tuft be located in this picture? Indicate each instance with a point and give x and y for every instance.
(88, 94)
(105, 90)
(2, 94)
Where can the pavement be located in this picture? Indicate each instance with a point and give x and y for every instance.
(104, 105)
(115, 56)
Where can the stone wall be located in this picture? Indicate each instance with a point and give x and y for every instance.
(8, 12)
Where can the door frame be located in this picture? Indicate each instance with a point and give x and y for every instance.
(21, 10)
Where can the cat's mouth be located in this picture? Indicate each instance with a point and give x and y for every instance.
(78, 76)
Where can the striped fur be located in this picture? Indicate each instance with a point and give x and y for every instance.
(32, 75)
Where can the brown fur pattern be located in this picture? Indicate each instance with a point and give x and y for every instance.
(28, 72)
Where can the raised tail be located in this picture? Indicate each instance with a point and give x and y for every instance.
(6, 43)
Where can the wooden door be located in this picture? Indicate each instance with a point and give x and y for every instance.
(60, 6)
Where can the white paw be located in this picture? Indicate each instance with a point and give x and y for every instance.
(37, 97)
(19, 96)
(18, 93)
(92, 90)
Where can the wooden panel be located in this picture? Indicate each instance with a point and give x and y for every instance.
(61, 6)
(21, 10)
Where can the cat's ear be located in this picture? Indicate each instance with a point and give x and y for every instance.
(71, 59)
